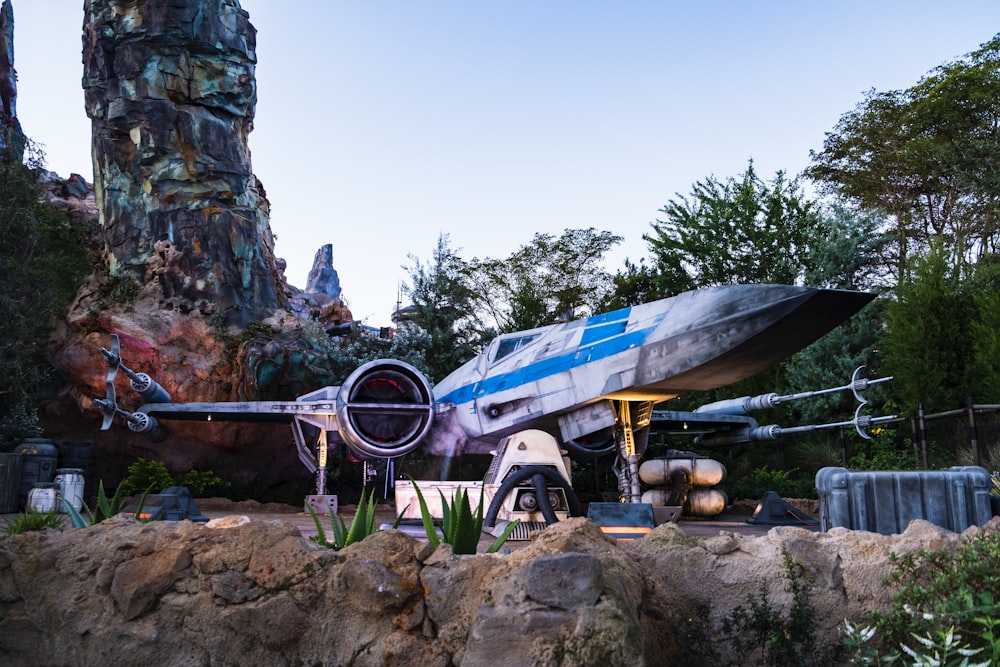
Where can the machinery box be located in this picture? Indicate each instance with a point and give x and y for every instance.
(408, 506)
(887, 501)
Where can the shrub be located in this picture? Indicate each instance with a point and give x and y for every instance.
(153, 476)
(763, 479)
(762, 634)
(200, 482)
(145, 474)
(29, 521)
(947, 605)
(886, 451)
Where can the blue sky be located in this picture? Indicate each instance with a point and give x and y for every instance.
(381, 125)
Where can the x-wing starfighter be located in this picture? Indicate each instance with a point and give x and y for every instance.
(584, 381)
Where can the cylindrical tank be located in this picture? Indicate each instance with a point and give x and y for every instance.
(70, 481)
(38, 465)
(706, 502)
(78, 454)
(701, 472)
(700, 502)
(44, 497)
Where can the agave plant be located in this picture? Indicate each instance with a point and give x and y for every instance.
(460, 526)
(104, 509)
(361, 526)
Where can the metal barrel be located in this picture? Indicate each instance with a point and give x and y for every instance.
(38, 465)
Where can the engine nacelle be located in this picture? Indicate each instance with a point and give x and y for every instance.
(147, 426)
(384, 409)
(149, 389)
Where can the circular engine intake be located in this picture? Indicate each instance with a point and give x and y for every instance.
(384, 409)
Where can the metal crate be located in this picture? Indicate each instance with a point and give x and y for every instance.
(887, 501)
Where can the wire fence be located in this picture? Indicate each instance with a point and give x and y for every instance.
(965, 436)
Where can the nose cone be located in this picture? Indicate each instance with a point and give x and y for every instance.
(718, 336)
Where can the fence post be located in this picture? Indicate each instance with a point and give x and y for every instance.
(923, 432)
(843, 446)
(973, 435)
(915, 436)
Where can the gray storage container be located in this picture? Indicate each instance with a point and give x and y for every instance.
(886, 501)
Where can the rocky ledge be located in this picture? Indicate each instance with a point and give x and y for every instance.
(236, 591)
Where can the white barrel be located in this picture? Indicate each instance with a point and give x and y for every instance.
(700, 502)
(70, 481)
(702, 472)
(43, 498)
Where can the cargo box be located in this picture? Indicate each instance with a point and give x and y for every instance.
(887, 501)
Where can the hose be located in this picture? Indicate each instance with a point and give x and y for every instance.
(520, 476)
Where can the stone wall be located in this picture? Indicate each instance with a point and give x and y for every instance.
(236, 591)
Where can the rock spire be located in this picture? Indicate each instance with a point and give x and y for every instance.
(170, 89)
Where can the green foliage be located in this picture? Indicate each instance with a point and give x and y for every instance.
(117, 291)
(927, 348)
(42, 264)
(946, 607)
(846, 250)
(442, 310)
(200, 482)
(30, 521)
(985, 329)
(348, 352)
(145, 474)
(636, 284)
(923, 157)
(460, 527)
(739, 231)
(232, 342)
(543, 282)
(362, 525)
(20, 423)
(764, 634)
(764, 479)
(887, 450)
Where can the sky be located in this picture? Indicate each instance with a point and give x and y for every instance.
(382, 125)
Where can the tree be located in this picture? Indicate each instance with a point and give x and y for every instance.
(739, 231)
(927, 347)
(42, 264)
(925, 157)
(985, 330)
(636, 284)
(443, 310)
(846, 250)
(546, 281)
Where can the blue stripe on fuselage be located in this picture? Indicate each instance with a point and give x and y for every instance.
(604, 337)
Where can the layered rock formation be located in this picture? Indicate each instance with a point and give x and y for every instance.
(321, 301)
(187, 279)
(235, 591)
(11, 138)
(170, 90)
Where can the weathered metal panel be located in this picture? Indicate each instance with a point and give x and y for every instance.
(887, 501)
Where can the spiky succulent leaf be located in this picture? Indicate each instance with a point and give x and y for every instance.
(74, 516)
(425, 516)
(497, 543)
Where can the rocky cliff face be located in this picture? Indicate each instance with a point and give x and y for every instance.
(171, 91)
(235, 591)
(186, 275)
